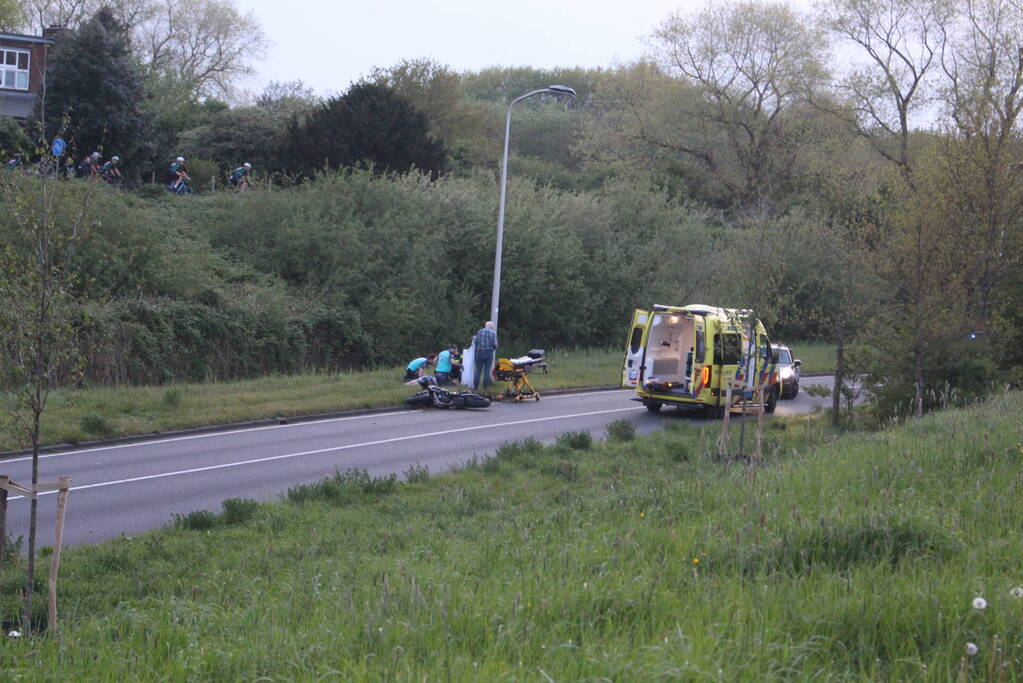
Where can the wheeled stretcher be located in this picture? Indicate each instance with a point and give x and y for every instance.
(516, 371)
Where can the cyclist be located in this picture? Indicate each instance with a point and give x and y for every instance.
(14, 163)
(239, 177)
(110, 172)
(178, 176)
(93, 165)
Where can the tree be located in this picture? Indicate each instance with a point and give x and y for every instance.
(369, 124)
(11, 15)
(37, 337)
(751, 63)
(92, 80)
(207, 43)
(257, 134)
(982, 61)
(900, 40)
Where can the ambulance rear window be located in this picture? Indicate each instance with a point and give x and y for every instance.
(637, 339)
(701, 346)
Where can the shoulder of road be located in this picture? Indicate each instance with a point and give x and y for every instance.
(268, 422)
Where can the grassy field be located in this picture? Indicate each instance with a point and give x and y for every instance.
(853, 557)
(119, 411)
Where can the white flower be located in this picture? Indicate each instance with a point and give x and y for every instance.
(14, 634)
(971, 649)
(1017, 592)
(979, 603)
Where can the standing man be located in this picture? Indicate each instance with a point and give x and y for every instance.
(485, 343)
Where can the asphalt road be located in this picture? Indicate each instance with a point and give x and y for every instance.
(126, 489)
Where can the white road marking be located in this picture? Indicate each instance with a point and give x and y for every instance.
(364, 444)
(208, 435)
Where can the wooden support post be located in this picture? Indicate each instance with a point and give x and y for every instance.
(723, 439)
(3, 516)
(759, 453)
(65, 483)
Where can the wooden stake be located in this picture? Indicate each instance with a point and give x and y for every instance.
(723, 440)
(3, 516)
(759, 454)
(55, 558)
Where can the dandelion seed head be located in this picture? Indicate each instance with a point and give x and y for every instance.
(14, 634)
(979, 603)
(971, 649)
(1017, 592)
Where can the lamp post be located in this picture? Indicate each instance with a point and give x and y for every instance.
(496, 299)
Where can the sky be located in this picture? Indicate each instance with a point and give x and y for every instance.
(329, 44)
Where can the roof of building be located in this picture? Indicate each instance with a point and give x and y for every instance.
(26, 39)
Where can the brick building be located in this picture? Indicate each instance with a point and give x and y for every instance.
(22, 70)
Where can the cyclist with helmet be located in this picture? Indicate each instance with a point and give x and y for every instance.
(239, 177)
(178, 176)
(14, 163)
(110, 172)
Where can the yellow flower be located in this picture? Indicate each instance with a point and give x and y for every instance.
(642, 514)
(696, 560)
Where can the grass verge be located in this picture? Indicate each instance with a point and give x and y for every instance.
(73, 417)
(839, 557)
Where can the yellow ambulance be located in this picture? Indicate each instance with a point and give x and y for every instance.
(687, 356)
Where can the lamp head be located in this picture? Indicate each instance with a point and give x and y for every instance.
(561, 90)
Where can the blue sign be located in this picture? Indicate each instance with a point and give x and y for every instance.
(58, 146)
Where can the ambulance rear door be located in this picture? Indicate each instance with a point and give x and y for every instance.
(635, 345)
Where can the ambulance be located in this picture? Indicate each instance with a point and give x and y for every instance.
(688, 356)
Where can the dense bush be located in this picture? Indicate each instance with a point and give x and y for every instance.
(354, 269)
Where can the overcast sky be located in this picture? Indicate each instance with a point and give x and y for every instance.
(328, 44)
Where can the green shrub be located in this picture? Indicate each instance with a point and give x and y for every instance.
(96, 425)
(196, 520)
(579, 441)
(621, 430)
(417, 472)
(239, 510)
(203, 172)
(172, 397)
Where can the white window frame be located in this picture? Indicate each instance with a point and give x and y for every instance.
(5, 68)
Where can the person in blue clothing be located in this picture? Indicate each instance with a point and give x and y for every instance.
(446, 364)
(485, 343)
(14, 163)
(417, 368)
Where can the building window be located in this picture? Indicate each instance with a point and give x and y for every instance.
(14, 70)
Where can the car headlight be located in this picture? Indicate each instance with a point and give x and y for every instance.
(786, 373)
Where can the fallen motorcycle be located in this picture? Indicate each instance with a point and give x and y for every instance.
(438, 397)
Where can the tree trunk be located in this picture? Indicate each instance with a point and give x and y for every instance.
(836, 393)
(26, 605)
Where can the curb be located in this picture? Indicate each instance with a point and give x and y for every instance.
(231, 426)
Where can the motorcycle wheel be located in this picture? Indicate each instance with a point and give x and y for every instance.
(471, 400)
(420, 400)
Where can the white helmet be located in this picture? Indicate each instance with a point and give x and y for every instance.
(180, 159)
(247, 165)
(115, 158)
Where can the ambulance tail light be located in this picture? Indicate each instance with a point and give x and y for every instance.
(705, 376)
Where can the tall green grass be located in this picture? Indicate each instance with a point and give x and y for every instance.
(851, 557)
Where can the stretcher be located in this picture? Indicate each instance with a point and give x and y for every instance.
(516, 372)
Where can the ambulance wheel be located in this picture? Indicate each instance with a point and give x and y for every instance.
(653, 407)
(772, 401)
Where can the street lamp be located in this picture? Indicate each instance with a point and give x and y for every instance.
(496, 300)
